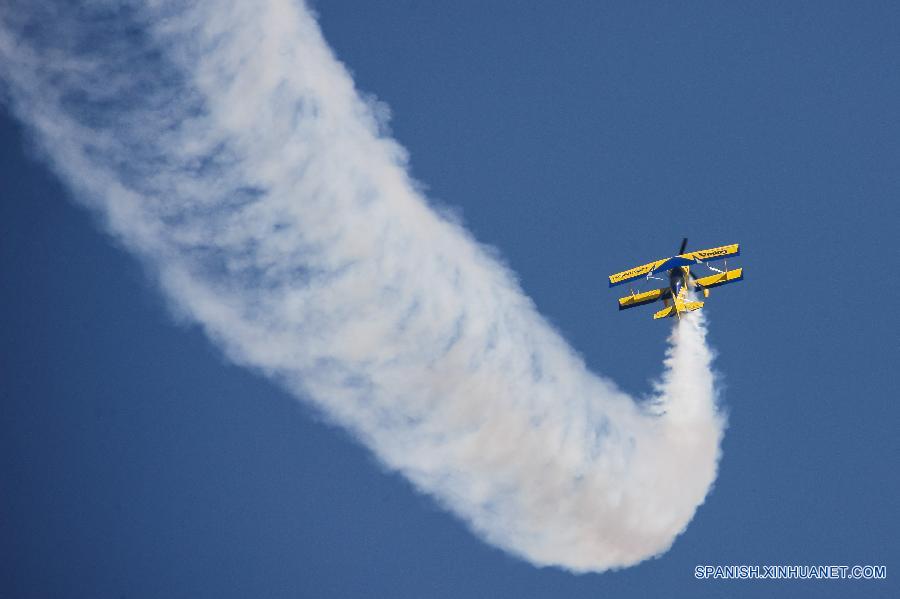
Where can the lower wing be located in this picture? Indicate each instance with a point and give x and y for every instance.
(646, 297)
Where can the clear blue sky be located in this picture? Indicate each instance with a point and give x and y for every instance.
(578, 139)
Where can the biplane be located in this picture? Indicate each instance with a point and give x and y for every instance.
(681, 279)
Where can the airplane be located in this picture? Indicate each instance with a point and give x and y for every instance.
(681, 279)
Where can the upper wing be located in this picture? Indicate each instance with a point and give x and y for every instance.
(714, 253)
(634, 273)
(696, 256)
(647, 297)
(732, 276)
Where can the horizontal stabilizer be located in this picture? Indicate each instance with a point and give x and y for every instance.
(690, 306)
(665, 313)
(680, 306)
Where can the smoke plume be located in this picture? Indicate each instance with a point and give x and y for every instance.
(224, 144)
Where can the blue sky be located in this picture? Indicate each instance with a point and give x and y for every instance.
(577, 141)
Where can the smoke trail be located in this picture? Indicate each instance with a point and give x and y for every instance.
(225, 145)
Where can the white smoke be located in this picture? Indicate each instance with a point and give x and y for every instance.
(227, 147)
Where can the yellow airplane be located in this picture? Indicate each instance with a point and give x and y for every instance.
(681, 279)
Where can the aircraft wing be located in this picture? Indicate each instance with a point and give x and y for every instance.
(720, 278)
(646, 297)
(633, 273)
(714, 253)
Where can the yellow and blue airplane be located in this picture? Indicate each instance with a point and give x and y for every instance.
(681, 279)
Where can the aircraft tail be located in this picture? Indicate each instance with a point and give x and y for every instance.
(675, 310)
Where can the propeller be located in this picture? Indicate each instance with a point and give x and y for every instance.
(683, 246)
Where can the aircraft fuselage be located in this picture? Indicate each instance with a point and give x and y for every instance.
(678, 279)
